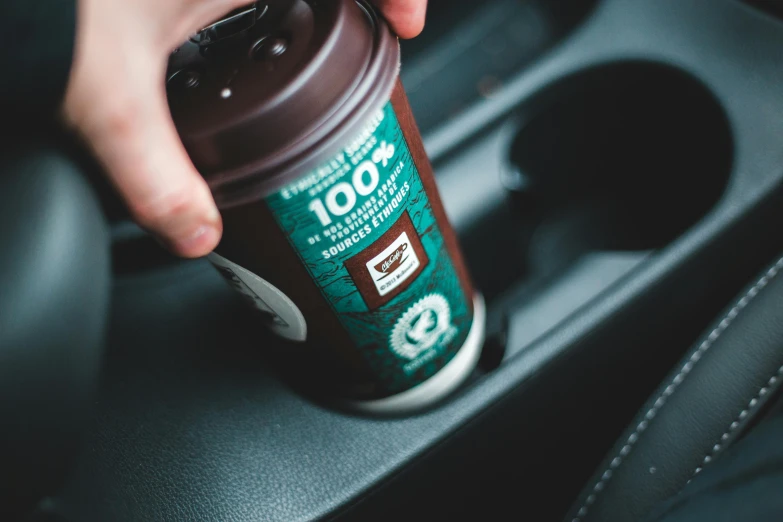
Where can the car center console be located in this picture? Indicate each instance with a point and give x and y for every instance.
(614, 171)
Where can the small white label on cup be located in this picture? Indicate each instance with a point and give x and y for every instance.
(285, 318)
(393, 266)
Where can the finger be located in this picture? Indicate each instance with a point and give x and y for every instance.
(139, 147)
(406, 17)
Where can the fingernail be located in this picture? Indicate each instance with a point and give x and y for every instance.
(200, 242)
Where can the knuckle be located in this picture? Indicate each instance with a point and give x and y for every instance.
(161, 210)
(120, 119)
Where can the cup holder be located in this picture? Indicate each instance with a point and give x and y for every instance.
(624, 157)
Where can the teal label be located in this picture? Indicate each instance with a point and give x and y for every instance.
(365, 230)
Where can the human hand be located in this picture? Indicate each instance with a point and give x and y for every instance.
(116, 100)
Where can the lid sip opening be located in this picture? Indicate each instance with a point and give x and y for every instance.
(231, 25)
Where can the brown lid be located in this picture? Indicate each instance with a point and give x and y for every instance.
(270, 89)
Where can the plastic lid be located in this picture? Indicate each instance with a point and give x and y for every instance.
(273, 85)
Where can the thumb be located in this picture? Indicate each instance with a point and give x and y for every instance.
(136, 141)
(406, 17)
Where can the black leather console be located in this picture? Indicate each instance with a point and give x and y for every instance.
(54, 298)
(598, 284)
(719, 390)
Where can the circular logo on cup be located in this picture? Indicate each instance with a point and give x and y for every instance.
(425, 325)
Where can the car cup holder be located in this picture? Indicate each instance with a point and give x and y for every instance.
(624, 157)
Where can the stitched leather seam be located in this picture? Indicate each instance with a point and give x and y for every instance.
(686, 369)
(744, 415)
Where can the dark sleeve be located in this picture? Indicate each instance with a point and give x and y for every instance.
(35, 55)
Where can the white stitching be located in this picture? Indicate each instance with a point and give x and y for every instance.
(678, 379)
(754, 402)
